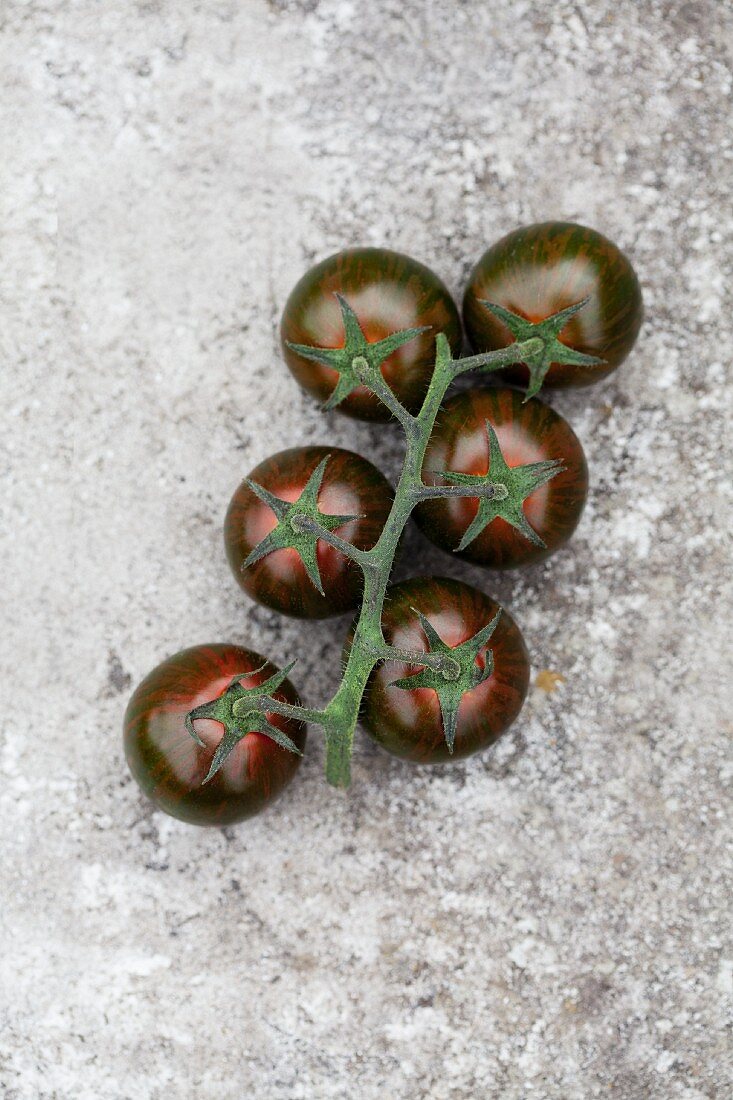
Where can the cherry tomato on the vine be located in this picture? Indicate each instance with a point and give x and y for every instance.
(388, 292)
(350, 486)
(171, 767)
(541, 269)
(526, 433)
(408, 723)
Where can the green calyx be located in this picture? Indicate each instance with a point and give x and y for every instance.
(502, 491)
(552, 350)
(300, 524)
(241, 711)
(358, 362)
(458, 673)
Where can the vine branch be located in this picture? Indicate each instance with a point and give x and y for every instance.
(449, 671)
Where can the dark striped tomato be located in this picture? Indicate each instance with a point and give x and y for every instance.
(408, 723)
(541, 269)
(168, 764)
(388, 292)
(527, 432)
(351, 486)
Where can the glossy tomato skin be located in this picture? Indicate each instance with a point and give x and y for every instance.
(540, 269)
(168, 764)
(527, 432)
(388, 291)
(351, 486)
(407, 723)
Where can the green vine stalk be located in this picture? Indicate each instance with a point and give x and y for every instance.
(450, 672)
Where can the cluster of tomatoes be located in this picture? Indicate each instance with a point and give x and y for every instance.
(522, 443)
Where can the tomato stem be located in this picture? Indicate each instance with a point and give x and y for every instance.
(437, 661)
(503, 357)
(293, 710)
(373, 379)
(303, 523)
(488, 491)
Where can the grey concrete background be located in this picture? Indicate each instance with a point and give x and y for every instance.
(549, 920)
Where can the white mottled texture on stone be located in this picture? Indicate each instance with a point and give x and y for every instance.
(549, 920)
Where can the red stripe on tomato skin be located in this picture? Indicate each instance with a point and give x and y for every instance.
(168, 764)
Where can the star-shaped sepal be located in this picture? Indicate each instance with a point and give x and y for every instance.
(241, 711)
(358, 362)
(502, 491)
(552, 350)
(300, 524)
(456, 674)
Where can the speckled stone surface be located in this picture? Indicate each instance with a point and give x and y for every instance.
(549, 920)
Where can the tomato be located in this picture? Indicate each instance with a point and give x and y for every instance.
(527, 433)
(411, 722)
(388, 292)
(171, 767)
(285, 579)
(541, 269)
